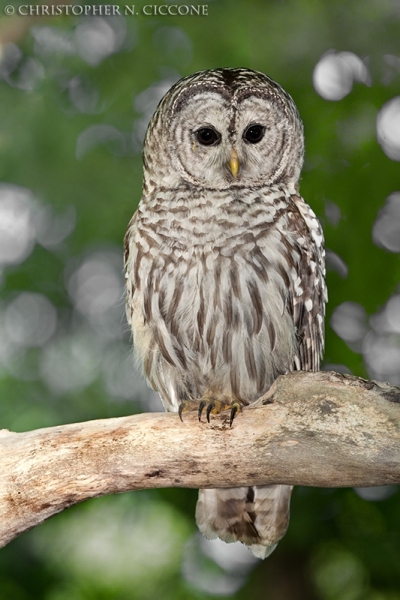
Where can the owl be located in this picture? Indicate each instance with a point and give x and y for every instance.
(225, 269)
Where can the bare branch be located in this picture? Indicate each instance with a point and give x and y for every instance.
(318, 429)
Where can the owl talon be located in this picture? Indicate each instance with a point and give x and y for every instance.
(186, 406)
(236, 407)
(215, 407)
(201, 408)
(209, 409)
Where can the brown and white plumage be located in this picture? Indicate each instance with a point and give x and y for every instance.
(225, 266)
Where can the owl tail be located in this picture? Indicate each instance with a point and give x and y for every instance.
(256, 516)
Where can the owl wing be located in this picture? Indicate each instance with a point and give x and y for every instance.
(129, 267)
(308, 295)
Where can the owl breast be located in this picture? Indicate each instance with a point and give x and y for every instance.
(210, 292)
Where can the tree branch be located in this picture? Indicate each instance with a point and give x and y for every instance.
(318, 429)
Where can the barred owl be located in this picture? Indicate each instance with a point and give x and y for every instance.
(225, 268)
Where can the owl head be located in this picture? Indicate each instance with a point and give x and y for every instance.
(225, 128)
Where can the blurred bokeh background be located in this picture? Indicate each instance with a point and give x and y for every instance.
(76, 94)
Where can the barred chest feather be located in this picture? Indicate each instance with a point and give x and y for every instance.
(213, 288)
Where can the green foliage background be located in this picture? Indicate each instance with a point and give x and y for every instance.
(339, 546)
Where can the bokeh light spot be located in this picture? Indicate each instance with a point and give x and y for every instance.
(349, 321)
(335, 74)
(30, 320)
(388, 128)
(17, 229)
(386, 229)
(96, 38)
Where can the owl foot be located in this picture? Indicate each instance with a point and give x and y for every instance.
(214, 407)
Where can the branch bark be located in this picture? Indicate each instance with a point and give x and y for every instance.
(316, 429)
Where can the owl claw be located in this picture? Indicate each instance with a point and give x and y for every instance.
(186, 406)
(209, 409)
(236, 407)
(201, 408)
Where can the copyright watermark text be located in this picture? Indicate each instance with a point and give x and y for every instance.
(107, 10)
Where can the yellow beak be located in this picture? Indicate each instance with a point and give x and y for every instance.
(234, 163)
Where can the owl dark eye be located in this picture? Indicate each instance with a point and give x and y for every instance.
(207, 136)
(254, 134)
